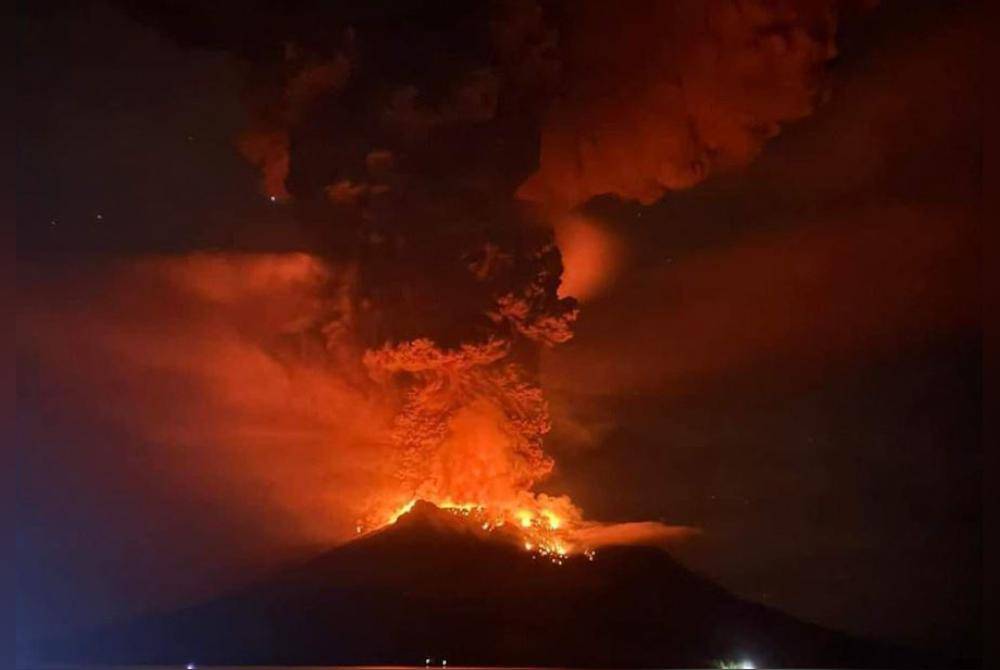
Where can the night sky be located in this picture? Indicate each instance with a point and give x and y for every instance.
(786, 355)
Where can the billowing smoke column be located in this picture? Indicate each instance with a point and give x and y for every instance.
(407, 170)
(431, 148)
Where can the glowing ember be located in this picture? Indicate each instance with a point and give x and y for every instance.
(541, 532)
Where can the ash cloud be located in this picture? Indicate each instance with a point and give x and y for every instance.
(400, 136)
(216, 369)
(407, 137)
(659, 95)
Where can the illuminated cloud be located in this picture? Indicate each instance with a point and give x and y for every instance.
(658, 95)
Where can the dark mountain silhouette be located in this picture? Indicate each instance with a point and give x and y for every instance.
(435, 586)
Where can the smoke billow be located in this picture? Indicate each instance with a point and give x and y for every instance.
(405, 138)
(217, 369)
(662, 94)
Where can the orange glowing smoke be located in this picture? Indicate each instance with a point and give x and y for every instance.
(591, 254)
(209, 369)
(662, 94)
(469, 438)
(240, 376)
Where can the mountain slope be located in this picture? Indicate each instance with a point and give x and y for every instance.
(434, 585)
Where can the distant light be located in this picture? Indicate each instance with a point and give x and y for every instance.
(427, 661)
(747, 665)
(190, 666)
(100, 216)
(273, 198)
(444, 662)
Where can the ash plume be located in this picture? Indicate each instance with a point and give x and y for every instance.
(408, 175)
(407, 139)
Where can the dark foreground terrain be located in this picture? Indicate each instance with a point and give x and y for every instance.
(434, 585)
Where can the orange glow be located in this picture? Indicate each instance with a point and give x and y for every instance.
(540, 530)
(591, 255)
(720, 91)
(203, 357)
(468, 439)
(209, 358)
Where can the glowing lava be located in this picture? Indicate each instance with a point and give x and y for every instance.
(540, 530)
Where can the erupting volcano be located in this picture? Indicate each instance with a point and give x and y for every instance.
(429, 200)
(501, 274)
(441, 188)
